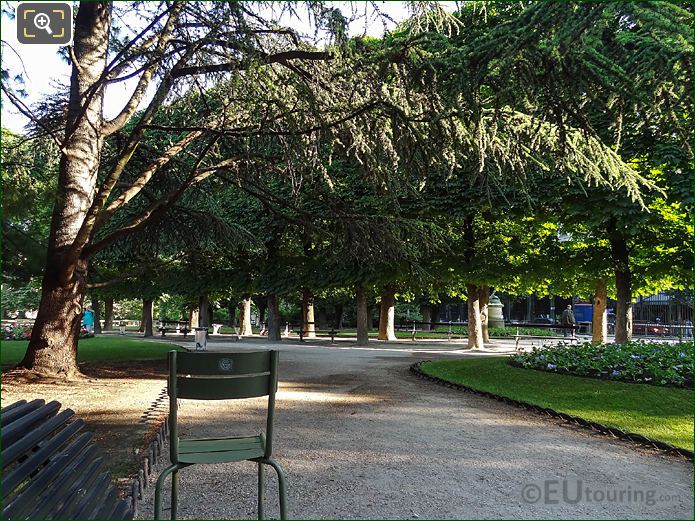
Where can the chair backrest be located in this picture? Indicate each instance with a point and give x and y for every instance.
(222, 376)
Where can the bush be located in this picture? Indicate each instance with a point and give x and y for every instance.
(645, 362)
(501, 332)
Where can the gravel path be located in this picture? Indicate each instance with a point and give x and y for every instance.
(360, 437)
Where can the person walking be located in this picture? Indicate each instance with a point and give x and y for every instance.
(88, 320)
(567, 319)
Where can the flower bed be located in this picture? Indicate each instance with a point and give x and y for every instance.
(24, 333)
(645, 362)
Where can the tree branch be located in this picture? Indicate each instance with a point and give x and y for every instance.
(119, 121)
(244, 64)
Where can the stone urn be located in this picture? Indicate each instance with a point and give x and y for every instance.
(494, 312)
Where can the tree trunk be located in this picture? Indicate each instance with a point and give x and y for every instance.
(203, 311)
(484, 295)
(147, 309)
(435, 309)
(426, 310)
(193, 317)
(141, 325)
(623, 285)
(387, 330)
(308, 325)
(475, 326)
(599, 325)
(97, 316)
(338, 316)
(245, 317)
(321, 318)
(362, 316)
(231, 308)
(274, 331)
(108, 314)
(53, 346)
(262, 305)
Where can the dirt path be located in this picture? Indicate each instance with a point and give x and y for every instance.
(360, 437)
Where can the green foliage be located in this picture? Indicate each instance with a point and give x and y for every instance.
(660, 413)
(654, 363)
(20, 296)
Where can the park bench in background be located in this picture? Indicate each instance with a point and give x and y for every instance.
(518, 336)
(173, 326)
(50, 470)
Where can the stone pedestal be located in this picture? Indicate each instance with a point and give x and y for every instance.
(495, 316)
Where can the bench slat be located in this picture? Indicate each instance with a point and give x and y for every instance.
(47, 488)
(12, 406)
(22, 471)
(50, 470)
(83, 482)
(15, 430)
(26, 443)
(17, 412)
(82, 496)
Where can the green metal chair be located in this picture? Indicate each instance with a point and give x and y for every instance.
(221, 376)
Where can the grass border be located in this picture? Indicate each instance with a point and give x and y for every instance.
(631, 437)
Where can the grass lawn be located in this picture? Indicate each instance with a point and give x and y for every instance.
(97, 349)
(660, 413)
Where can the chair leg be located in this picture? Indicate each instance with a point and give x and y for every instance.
(261, 490)
(158, 490)
(281, 486)
(174, 493)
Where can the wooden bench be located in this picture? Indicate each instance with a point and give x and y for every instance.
(49, 470)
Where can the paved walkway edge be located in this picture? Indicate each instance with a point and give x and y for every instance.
(636, 439)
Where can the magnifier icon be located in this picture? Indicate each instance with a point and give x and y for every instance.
(42, 22)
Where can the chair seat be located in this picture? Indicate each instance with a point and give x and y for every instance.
(220, 450)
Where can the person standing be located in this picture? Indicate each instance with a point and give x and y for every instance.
(567, 319)
(88, 320)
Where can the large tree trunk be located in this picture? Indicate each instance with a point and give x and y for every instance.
(363, 318)
(623, 286)
(193, 314)
(484, 295)
(308, 325)
(274, 331)
(245, 317)
(204, 311)
(97, 316)
(475, 326)
(435, 310)
(53, 346)
(387, 330)
(426, 310)
(599, 324)
(262, 305)
(108, 314)
(147, 309)
(338, 316)
(231, 308)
